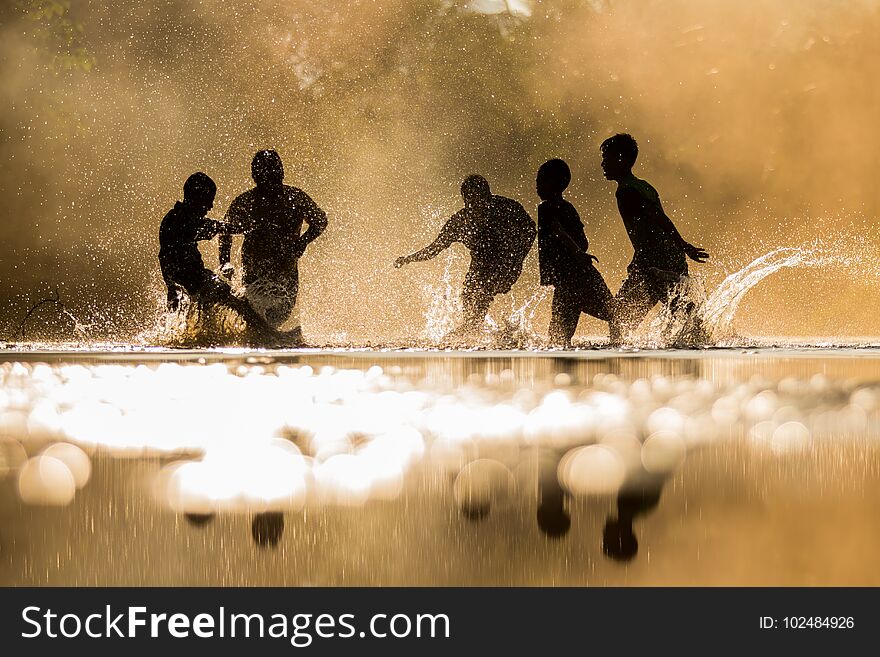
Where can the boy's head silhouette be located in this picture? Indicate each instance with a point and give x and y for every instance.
(199, 192)
(267, 169)
(619, 154)
(553, 177)
(475, 192)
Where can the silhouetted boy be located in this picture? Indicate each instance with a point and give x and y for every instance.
(563, 259)
(498, 232)
(271, 217)
(182, 266)
(660, 252)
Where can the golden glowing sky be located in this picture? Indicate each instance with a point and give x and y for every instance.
(757, 121)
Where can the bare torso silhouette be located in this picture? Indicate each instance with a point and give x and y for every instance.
(179, 234)
(653, 236)
(271, 224)
(498, 240)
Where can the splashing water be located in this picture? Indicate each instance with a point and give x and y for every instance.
(193, 325)
(708, 319)
(515, 331)
(274, 300)
(681, 326)
(700, 318)
(444, 309)
(722, 305)
(519, 331)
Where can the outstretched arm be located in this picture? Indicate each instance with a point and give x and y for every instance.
(233, 224)
(448, 235)
(226, 255)
(209, 228)
(695, 253)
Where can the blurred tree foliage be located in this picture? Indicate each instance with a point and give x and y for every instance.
(56, 34)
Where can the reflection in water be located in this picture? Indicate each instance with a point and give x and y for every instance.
(638, 495)
(199, 519)
(637, 498)
(482, 485)
(341, 449)
(552, 516)
(267, 528)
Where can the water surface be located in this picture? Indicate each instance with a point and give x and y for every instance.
(735, 467)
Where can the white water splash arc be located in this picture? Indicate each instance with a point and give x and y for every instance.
(721, 306)
(707, 319)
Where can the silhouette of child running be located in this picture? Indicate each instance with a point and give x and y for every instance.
(563, 259)
(660, 252)
(271, 217)
(182, 266)
(498, 232)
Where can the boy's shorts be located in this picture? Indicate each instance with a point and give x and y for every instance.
(590, 292)
(587, 293)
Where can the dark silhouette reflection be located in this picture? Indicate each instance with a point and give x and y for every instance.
(199, 519)
(498, 233)
(660, 252)
(182, 267)
(476, 513)
(267, 528)
(619, 540)
(563, 258)
(553, 518)
(271, 217)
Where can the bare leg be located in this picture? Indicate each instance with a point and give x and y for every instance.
(476, 301)
(565, 314)
(251, 316)
(217, 291)
(633, 302)
(597, 301)
(173, 298)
